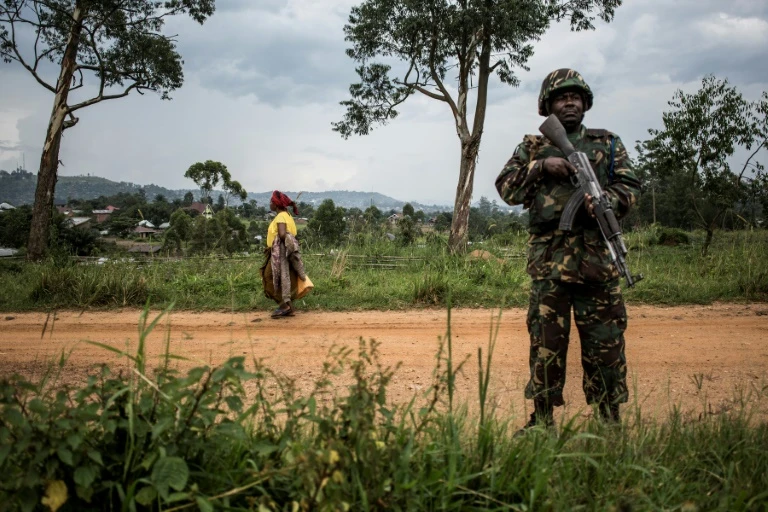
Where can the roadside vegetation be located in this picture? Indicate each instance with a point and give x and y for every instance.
(242, 437)
(379, 274)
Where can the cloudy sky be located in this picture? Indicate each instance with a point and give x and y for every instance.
(263, 82)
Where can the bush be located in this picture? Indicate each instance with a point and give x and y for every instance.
(673, 237)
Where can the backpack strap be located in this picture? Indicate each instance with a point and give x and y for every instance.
(612, 165)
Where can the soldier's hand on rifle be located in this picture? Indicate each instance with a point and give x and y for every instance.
(589, 205)
(558, 167)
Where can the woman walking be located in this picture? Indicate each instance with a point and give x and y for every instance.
(283, 258)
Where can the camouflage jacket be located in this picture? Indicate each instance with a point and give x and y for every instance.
(581, 255)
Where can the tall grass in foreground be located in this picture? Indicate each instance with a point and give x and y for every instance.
(386, 276)
(241, 437)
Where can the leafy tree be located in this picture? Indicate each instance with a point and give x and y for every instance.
(699, 138)
(232, 188)
(121, 223)
(407, 230)
(373, 215)
(204, 235)
(188, 199)
(220, 203)
(485, 207)
(419, 216)
(117, 43)
(206, 176)
(472, 39)
(327, 224)
(180, 230)
(408, 210)
(443, 222)
(14, 226)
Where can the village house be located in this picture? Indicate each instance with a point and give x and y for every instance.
(101, 215)
(79, 222)
(144, 231)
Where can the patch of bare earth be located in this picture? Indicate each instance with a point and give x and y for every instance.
(700, 358)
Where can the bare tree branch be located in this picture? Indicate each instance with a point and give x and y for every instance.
(101, 97)
(20, 59)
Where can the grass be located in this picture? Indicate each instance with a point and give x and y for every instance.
(162, 440)
(384, 276)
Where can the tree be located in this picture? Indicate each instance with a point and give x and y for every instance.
(443, 221)
(180, 230)
(232, 188)
(698, 141)
(14, 226)
(471, 38)
(373, 215)
(116, 43)
(328, 223)
(188, 199)
(408, 210)
(407, 230)
(206, 176)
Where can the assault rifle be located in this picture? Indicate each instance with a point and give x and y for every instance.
(586, 182)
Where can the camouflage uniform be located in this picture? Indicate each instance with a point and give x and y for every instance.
(571, 269)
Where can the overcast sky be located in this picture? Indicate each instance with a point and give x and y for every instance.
(263, 82)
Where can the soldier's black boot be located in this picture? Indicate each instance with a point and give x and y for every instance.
(609, 413)
(542, 415)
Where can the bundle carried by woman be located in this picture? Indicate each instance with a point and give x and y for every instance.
(283, 274)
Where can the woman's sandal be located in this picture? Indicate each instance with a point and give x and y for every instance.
(279, 312)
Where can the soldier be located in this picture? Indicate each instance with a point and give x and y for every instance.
(571, 269)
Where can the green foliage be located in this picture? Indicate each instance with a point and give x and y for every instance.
(156, 440)
(379, 274)
(327, 224)
(111, 285)
(408, 210)
(687, 164)
(671, 236)
(14, 227)
(224, 233)
(437, 37)
(206, 176)
(407, 230)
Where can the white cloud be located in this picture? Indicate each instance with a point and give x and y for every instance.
(263, 82)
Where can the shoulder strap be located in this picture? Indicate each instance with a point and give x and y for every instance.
(612, 163)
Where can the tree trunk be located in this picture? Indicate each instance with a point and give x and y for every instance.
(457, 241)
(708, 240)
(49, 160)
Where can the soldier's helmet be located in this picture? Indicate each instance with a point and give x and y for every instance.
(562, 79)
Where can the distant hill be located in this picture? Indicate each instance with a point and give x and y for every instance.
(18, 187)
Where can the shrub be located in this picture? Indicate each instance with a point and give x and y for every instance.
(673, 237)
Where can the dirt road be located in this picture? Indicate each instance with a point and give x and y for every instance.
(680, 355)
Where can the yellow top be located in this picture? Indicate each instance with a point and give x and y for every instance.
(280, 218)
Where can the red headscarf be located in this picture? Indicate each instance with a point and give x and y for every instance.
(283, 201)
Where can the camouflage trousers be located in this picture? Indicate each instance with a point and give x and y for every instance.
(601, 319)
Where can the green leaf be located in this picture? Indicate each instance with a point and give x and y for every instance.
(170, 472)
(13, 417)
(234, 403)
(95, 457)
(146, 496)
(65, 456)
(74, 440)
(85, 475)
(5, 449)
(203, 504)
